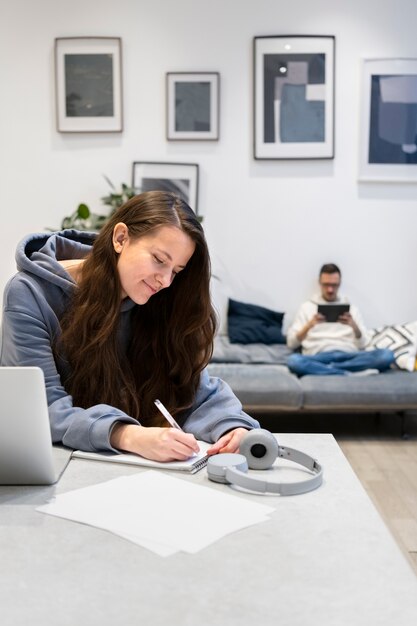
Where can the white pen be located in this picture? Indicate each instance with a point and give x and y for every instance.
(167, 414)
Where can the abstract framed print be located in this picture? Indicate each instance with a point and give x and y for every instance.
(88, 83)
(388, 141)
(294, 97)
(179, 178)
(193, 105)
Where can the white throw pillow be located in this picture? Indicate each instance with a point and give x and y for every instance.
(401, 339)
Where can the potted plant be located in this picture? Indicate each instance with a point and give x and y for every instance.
(84, 219)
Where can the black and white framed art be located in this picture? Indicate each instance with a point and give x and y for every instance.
(193, 102)
(88, 77)
(388, 141)
(294, 97)
(179, 178)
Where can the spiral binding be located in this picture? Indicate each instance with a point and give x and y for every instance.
(200, 464)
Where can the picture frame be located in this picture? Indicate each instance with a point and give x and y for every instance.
(192, 106)
(388, 139)
(294, 86)
(179, 178)
(88, 84)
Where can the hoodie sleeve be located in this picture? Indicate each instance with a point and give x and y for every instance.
(215, 411)
(28, 327)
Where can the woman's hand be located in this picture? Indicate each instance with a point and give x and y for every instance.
(230, 442)
(157, 444)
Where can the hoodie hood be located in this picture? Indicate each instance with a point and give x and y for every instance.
(39, 254)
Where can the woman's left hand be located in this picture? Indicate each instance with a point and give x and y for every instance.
(229, 442)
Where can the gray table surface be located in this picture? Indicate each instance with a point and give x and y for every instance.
(324, 557)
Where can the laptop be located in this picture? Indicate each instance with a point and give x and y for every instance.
(26, 454)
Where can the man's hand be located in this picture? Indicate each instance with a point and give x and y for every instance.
(318, 318)
(346, 318)
(230, 442)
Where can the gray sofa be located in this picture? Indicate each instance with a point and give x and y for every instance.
(258, 375)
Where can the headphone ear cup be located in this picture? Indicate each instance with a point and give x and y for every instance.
(260, 448)
(218, 464)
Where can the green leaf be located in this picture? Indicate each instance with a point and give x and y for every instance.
(83, 211)
(100, 220)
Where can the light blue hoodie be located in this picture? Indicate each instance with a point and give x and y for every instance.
(34, 300)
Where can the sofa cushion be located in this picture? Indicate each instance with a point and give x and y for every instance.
(261, 385)
(390, 390)
(226, 352)
(250, 323)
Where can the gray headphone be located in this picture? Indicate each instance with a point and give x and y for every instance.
(258, 450)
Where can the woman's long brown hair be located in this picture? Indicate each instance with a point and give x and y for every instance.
(171, 335)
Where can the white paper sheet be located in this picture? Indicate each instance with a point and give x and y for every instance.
(159, 512)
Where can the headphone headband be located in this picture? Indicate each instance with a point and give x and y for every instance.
(259, 449)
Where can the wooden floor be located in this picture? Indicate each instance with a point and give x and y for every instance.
(385, 463)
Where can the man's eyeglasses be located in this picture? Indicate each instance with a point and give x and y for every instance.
(330, 285)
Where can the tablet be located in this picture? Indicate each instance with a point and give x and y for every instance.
(332, 311)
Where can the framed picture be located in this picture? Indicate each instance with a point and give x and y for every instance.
(179, 178)
(294, 97)
(193, 105)
(388, 142)
(88, 84)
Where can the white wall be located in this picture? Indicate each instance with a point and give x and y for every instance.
(270, 225)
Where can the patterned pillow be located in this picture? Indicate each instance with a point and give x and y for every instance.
(401, 339)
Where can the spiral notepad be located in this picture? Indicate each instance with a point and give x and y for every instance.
(191, 465)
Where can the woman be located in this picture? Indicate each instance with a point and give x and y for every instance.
(118, 320)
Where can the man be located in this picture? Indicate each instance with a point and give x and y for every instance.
(330, 348)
